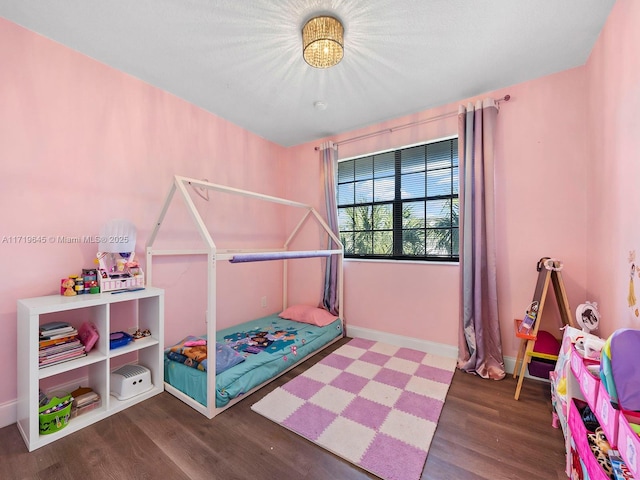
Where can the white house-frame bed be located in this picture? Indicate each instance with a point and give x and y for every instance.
(214, 255)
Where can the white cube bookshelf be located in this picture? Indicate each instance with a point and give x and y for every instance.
(146, 309)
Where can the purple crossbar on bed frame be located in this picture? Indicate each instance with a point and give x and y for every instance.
(263, 256)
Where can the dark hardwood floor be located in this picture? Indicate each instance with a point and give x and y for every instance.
(483, 433)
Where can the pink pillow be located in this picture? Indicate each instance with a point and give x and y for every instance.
(308, 314)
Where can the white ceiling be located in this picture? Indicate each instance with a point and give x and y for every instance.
(242, 59)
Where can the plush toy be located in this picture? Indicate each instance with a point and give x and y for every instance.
(68, 285)
(600, 447)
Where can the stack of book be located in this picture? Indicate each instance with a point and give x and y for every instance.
(59, 343)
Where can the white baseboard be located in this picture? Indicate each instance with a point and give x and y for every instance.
(440, 349)
(8, 413)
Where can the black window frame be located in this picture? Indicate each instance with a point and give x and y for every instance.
(348, 176)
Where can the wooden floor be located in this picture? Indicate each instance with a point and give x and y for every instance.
(483, 433)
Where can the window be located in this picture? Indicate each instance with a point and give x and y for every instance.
(401, 204)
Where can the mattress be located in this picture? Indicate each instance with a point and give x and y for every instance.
(286, 343)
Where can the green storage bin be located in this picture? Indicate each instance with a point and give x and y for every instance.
(56, 420)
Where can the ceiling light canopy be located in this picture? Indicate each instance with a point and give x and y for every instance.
(323, 42)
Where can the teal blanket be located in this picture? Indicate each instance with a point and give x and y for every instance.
(269, 346)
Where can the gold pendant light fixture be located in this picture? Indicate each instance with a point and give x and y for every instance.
(323, 41)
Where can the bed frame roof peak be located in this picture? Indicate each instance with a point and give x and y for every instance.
(180, 184)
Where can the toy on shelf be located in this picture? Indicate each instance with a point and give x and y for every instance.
(600, 447)
(138, 334)
(619, 372)
(587, 316)
(55, 415)
(86, 282)
(67, 287)
(119, 271)
(118, 268)
(529, 318)
(119, 339)
(588, 345)
(89, 335)
(90, 279)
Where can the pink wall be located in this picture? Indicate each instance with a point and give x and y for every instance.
(613, 199)
(81, 144)
(540, 203)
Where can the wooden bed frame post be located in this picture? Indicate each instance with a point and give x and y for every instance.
(156, 229)
(211, 331)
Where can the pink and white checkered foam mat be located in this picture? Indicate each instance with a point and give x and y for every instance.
(373, 404)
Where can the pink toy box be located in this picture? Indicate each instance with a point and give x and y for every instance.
(607, 415)
(589, 382)
(579, 437)
(629, 442)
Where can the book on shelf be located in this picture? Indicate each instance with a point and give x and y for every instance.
(55, 328)
(51, 331)
(52, 326)
(59, 348)
(56, 341)
(55, 361)
(51, 361)
(61, 354)
(56, 336)
(65, 347)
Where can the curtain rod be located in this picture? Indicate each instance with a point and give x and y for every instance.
(506, 98)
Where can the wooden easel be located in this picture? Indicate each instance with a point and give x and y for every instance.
(549, 271)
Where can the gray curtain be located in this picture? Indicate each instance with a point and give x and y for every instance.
(479, 343)
(329, 160)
